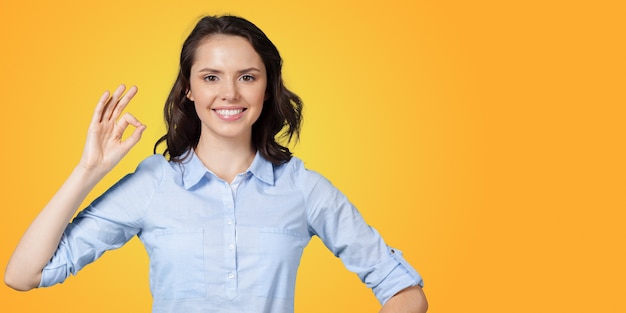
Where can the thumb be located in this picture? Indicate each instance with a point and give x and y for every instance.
(134, 138)
(126, 120)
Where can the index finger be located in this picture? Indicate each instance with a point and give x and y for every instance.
(123, 102)
(99, 110)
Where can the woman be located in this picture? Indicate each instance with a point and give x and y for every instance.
(226, 211)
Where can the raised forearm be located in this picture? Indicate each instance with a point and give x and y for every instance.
(104, 148)
(42, 237)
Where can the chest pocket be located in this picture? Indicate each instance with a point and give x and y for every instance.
(281, 252)
(177, 264)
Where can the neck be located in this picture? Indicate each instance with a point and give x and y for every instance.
(226, 159)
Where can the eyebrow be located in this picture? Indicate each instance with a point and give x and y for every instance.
(245, 70)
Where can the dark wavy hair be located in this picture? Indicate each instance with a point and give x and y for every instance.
(282, 110)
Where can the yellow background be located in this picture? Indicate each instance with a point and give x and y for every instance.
(485, 139)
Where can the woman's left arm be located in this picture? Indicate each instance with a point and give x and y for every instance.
(409, 300)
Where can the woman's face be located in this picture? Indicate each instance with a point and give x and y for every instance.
(228, 86)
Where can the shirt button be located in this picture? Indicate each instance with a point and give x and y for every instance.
(229, 222)
(231, 275)
(231, 246)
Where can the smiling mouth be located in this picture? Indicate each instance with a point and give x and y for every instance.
(229, 112)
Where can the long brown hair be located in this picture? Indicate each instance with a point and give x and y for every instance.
(282, 110)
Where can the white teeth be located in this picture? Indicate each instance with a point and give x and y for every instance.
(229, 112)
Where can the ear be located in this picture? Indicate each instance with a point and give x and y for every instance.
(189, 95)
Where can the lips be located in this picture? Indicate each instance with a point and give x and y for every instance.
(229, 114)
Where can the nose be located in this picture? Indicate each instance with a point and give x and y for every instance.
(230, 91)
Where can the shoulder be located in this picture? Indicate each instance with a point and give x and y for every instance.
(296, 169)
(138, 186)
(152, 168)
(306, 179)
(153, 162)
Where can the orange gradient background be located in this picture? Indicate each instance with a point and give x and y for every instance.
(485, 139)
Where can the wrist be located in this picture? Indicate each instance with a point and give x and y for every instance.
(87, 175)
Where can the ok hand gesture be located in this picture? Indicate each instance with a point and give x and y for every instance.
(103, 150)
(104, 147)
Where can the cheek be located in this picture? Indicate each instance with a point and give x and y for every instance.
(261, 98)
(199, 109)
(202, 95)
(255, 96)
(263, 94)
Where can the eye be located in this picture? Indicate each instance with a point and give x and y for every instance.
(247, 78)
(210, 78)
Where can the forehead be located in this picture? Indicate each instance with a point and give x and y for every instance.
(228, 51)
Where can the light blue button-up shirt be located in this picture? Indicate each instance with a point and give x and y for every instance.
(220, 247)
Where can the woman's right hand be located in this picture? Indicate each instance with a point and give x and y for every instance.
(104, 147)
(103, 150)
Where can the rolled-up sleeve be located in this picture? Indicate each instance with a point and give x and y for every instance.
(399, 275)
(107, 223)
(360, 247)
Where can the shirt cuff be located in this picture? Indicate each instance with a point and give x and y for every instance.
(401, 276)
(52, 276)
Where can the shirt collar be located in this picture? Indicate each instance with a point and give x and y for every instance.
(193, 170)
(262, 169)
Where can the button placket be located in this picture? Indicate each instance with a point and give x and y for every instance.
(230, 251)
